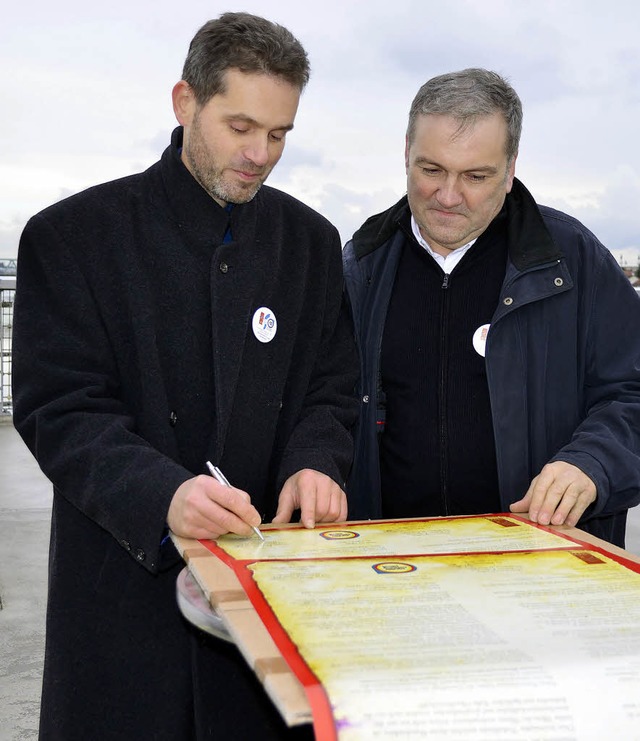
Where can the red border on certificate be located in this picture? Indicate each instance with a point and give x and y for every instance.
(323, 720)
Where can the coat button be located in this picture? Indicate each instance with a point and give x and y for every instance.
(126, 545)
(365, 398)
(508, 301)
(173, 419)
(140, 555)
(559, 282)
(224, 268)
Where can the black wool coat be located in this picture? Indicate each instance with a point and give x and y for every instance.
(135, 361)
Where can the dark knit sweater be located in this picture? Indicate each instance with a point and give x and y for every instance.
(437, 451)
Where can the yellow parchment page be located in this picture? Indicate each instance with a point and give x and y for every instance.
(463, 534)
(481, 647)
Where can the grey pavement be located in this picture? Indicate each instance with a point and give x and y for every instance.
(25, 509)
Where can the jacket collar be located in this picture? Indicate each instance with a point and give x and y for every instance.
(379, 228)
(530, 242)
(195, 211)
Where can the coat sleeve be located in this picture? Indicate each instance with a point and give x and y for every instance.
(606, 444)
(68, 401)
(322, 439)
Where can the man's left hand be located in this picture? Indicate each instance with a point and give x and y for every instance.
(316, 495)
(558, 495)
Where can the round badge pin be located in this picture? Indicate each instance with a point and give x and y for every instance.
(480, 339)
(264, 324)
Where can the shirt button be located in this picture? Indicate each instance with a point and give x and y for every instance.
(173, 419)
(224, 268)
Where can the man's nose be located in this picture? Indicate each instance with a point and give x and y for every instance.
(449, 194)
(257, 151)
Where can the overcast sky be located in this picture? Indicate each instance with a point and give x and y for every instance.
(85, 90)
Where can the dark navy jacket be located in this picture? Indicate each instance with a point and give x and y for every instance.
(562, 357)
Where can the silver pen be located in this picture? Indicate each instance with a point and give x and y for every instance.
(222, 479)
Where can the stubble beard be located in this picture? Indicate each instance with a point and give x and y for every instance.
(210, 175)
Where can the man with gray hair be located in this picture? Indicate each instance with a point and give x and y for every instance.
(181, 315)
(499, 362)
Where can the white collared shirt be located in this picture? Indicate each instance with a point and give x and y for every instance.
(448, 262)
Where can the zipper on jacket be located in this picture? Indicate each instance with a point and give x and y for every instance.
(442, 421)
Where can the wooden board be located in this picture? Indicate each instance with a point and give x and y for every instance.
(225, 594)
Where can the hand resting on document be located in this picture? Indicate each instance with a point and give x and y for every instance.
(316, 495)
(558, 495)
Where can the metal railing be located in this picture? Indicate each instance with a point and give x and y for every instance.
(7, 297)
(8, 266)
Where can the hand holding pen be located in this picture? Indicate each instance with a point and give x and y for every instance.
(220, 477)
(205, 508)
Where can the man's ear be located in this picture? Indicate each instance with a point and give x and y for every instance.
(511, 172)
(184, 102)
(406, 153)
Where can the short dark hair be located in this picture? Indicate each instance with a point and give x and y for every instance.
(466, 96)
(245, 42)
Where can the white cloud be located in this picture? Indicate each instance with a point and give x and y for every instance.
(86, 90)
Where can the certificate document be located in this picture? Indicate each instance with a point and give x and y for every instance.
(470, 628)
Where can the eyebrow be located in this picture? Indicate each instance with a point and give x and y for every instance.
(489, 169)
(252, 122)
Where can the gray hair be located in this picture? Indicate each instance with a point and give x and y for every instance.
(245, 42)
(466, 96)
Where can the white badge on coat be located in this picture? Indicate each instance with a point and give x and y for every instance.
(264, 324)
(480, 339)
